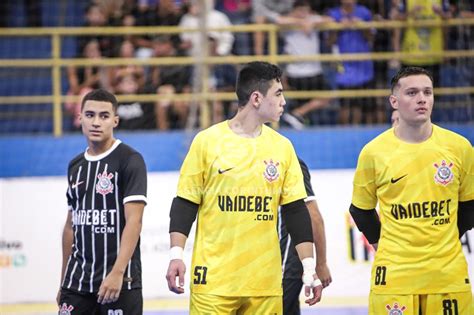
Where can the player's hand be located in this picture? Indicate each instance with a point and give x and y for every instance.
(313, 290)
(110, 287)
(313, 287)
(324, 274)
(176, 269)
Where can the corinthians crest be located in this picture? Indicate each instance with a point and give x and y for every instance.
(396, 310)
(444, 174)
(104, 186)
(65, 309)
(271, 171)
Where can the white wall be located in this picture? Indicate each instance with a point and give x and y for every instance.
(33, 211)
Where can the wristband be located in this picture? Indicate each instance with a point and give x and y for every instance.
(176, 252)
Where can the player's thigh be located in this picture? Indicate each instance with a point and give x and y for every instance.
(130, 302)
(76, 303)
(291, 296)
(459, 303)
(210, 304)
(393, 304)
(265, 305)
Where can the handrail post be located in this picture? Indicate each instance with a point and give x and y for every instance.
(56, 76)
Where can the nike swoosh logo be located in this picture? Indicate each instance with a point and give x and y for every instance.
(393, 181)
(74, 185)
(223, 171)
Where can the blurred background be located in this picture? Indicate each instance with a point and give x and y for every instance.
(173, 66)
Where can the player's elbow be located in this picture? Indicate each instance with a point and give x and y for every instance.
(367, 222)
(298, 221)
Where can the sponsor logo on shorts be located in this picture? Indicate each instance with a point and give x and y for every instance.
(444, 174)
(396, 309)
(65, 309)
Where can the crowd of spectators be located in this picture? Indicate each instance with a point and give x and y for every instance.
(302, 38)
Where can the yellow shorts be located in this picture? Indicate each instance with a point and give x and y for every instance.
(201, 304)
(459, 303)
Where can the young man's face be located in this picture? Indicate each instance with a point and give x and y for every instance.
(98, 121)
(413, 98)
(271, 106)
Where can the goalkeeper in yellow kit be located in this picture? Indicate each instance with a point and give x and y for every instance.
(422, 177)
(234, 177)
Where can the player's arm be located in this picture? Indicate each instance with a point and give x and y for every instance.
(298, 224)
(68, 238)
(111, 286)
(319, 238)
(182, 216)
(465, 216)
(367, 222)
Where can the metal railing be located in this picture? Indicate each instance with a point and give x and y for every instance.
(56, 62)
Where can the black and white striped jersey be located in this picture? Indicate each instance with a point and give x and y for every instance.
(99, 186)
(291, 264)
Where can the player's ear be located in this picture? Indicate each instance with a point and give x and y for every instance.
(393, 101)
(116, 120)
(255, 99)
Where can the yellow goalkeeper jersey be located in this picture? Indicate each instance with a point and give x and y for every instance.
(239, 184)
(418, 187)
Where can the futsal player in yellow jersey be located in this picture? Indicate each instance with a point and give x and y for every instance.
(234, 177)
(421, 176)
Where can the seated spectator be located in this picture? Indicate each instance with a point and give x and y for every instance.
(170, 80)
(222, 78)
(238, 12)
(133, 115)
(304, 76)
(354, 75)
(95, 17)
(155, 13)
(82, 80)
(127, 50)
(191, 41)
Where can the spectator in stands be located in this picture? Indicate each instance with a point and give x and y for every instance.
(222, 79)
(358, 75)
(96, 17)
(238, 12)
(191, 41)
(155, 13)
(127, 50)
(133, 115)
(270, 11)
(304, 76)
(423, 39)
(82, 80)
(169, 80)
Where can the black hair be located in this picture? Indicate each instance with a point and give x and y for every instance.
(406, 72)
(100, 95)
(256, 76)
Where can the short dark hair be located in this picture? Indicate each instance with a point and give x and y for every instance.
(100, 95)
(406, 72)
(256, 76)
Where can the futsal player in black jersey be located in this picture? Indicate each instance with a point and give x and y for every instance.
(101, 269)
(291, 265)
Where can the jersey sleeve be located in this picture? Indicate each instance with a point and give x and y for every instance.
(135, 179)
(466, 192)
(293, 185)
(364, 188)
(191, 177)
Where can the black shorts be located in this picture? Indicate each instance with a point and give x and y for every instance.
(291, 294)
(130, 302)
